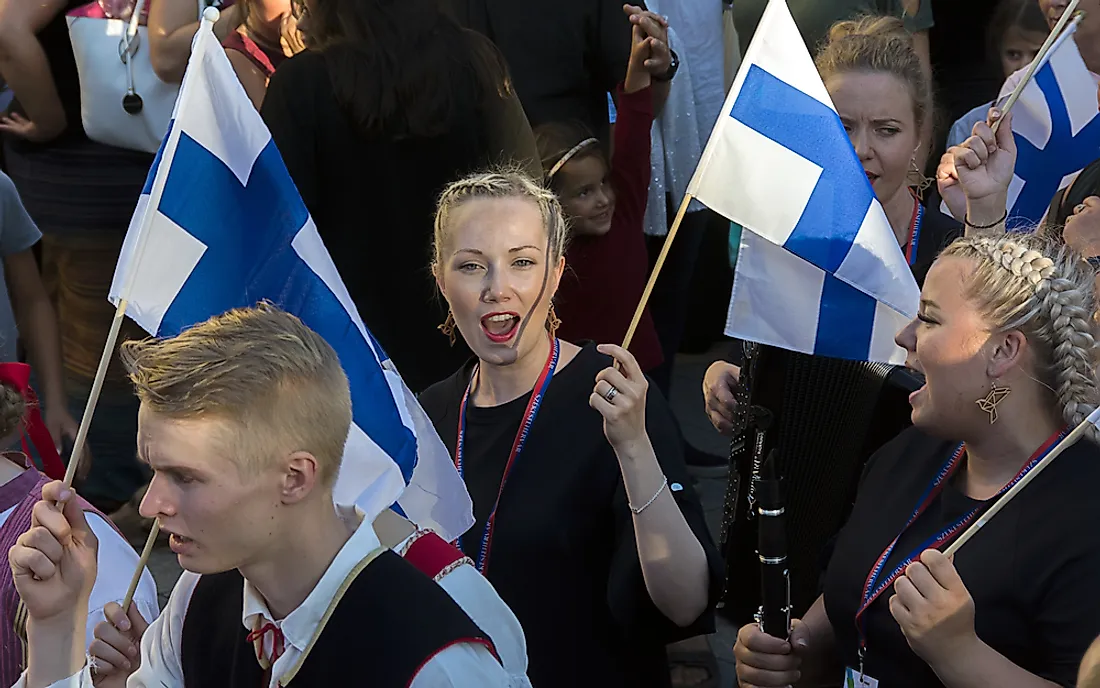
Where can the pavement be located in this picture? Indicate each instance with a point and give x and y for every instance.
(686, 397)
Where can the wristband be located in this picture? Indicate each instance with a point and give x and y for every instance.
(968, 223)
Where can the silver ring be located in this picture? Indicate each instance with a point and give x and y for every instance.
(1079, 208)
(611, 394)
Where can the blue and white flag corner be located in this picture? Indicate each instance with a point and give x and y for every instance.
(220, 225)
(1056, 124)
(815, 240)
(842, 323)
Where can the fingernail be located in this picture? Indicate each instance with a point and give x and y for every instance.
(801, 642)
(65, 494)
(132, 651)
(124, 625)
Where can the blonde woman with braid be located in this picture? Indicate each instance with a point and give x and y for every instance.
(1006, 339)
(585, 519)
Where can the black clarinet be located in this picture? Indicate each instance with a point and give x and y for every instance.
(774, 616)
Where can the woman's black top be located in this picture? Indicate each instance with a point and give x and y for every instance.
(1031, 570)
(564, 556)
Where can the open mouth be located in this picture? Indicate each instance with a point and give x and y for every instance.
(500, 327)
(871, 176)
(917, 373)
(179, 543)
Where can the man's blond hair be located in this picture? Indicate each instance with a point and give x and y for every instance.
(277, 382)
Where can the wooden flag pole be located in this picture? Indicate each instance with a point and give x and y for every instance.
(93, 396)
(145, 553)
(1039, 57)
(656, 270)
(1070, 440)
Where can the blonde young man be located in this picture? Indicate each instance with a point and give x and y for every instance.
(244, 419)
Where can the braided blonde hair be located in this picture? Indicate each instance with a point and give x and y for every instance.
(500, 184)
(1044, 289)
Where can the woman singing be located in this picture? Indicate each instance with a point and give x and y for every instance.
(585, 520)
(1005, 338)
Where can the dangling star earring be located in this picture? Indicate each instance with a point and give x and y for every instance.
(989, 403)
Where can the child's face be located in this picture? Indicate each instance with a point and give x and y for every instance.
(586, 195)
(1018, 49)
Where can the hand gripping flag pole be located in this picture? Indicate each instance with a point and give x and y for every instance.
(1040, 58)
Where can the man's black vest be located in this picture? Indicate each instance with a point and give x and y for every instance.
(390, 622)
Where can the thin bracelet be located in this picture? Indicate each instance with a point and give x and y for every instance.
(640, 509)
(968, 223)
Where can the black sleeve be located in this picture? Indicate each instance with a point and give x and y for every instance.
(613, 34)
(627, 595)
(288, 113)
(1062, 570)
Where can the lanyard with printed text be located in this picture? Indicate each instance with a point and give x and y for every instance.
(872, 588)
(533, 405)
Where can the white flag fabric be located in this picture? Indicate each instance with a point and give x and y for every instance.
(220, 225)
(819, 270)
(1056, 124)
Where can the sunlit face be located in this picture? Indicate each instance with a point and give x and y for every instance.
(948, 341)
(496, 277)
(586, 194)
(1018, 49)
(1082, 230)
(877, 112)
(1089, 27)
(219, 516)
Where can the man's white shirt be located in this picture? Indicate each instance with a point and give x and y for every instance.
(457, 666)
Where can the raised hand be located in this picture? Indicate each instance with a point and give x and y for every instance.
(975, 175)
(54, 563)
(117, 646)
(619, 396)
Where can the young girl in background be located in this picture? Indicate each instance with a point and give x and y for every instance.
(605, 206)
(1016, 32)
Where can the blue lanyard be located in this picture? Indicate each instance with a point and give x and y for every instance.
(914, 231)
(533, 405)
(872, 589)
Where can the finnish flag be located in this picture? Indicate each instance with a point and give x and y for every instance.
(220, 225)
(1056, 124)
(819, 269)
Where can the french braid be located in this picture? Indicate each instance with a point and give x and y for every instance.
(1041, 287)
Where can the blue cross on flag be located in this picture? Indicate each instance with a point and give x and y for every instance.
(220, 225)
(1056, 124)
(819, 269)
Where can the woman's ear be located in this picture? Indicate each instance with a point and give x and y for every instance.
(438, 275)
(1008, 352)
(559, 270)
